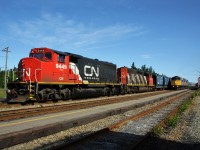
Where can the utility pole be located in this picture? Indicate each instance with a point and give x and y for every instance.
(6, 50)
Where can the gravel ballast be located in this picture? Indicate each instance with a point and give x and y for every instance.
(184, 136)
(69, 135)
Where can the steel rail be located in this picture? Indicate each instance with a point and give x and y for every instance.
(122, 123)
(29, 112)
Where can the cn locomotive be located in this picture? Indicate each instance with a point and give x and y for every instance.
(49, 74)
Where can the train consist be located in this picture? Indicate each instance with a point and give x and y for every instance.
(52, 75)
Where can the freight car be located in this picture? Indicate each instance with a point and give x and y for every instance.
(161, 82)
(178, 83)
(51, 75)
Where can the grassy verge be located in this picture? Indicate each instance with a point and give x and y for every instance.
(172, 121)
(2, 93)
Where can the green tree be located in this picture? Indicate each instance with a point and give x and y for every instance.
(2, 79)
(11, 76)
(144, 69)
(133, 66)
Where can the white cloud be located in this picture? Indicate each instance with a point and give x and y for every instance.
(53, 30)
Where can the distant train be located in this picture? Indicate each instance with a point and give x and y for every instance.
(52, 75)
(178, 83)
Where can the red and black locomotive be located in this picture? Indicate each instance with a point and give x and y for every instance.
(52, 75)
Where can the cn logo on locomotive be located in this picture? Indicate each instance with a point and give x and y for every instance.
(89, 71)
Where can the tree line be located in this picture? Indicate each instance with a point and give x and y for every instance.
(144, 69)
(11, 76)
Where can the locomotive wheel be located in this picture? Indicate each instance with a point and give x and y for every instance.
(53, 98)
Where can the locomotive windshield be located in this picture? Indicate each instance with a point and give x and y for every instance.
(176, 78)
(37, 55)
(42, 56)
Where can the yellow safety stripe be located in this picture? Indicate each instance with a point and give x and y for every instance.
(137, 85)
(104, 83)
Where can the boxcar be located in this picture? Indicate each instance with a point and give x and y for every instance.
(159, 82)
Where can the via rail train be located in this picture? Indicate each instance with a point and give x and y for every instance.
(49, 74)
(178, 83)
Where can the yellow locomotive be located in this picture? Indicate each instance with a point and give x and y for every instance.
(178, 83)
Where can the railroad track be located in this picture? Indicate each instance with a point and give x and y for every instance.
(128, 133)
(5, 105)
(36, 111)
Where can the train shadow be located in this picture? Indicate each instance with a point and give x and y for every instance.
(125, 141)
(157, 143)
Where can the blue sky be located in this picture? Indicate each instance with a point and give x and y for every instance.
(164, 34)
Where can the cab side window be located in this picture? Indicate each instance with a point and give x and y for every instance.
(61, 58)
(48, 55)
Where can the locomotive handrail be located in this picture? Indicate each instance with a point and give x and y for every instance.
(36, 75)
(28, 74)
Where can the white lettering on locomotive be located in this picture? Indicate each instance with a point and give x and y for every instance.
(28, 72)
(61, 66)
(89, 71)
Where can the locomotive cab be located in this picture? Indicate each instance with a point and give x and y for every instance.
(31, 69)
(41, 54)
(43, 66)
(46, 65)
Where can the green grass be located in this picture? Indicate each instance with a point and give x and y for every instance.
(158, 130)
(2, 93)
(185, 106)
(172, 120)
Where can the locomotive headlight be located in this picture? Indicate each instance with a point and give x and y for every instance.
(8, 91)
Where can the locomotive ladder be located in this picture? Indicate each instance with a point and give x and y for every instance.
(33, 90)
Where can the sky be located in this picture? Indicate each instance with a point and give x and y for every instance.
(163, 34)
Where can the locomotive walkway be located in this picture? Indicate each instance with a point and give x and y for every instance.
(22, 130)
